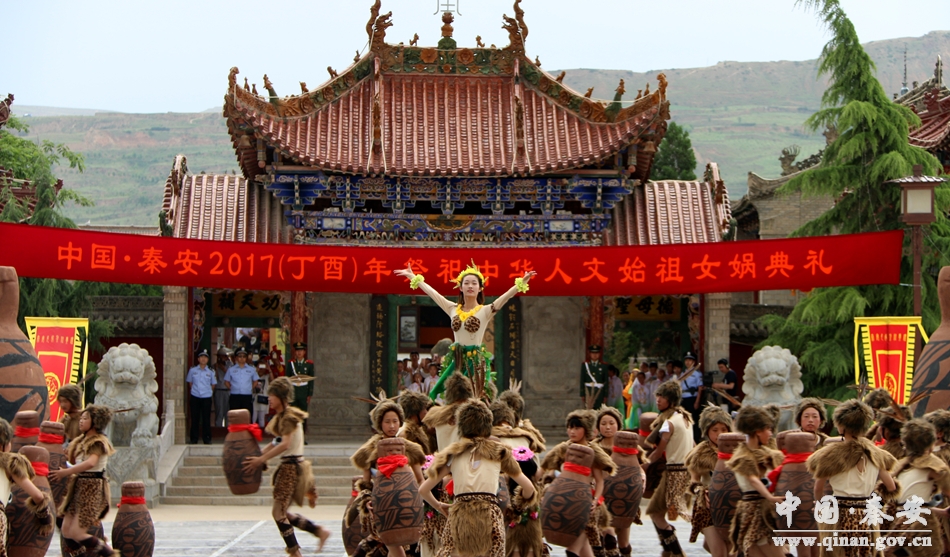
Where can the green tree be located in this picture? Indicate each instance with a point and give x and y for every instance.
(35, 162)
(674, 159)
(871, 148)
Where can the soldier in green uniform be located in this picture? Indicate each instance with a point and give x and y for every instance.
(301, 367)
(598, 369)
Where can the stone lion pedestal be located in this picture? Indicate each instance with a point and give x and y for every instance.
(774, 376)
(127, 384)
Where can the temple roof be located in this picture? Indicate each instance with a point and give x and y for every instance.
(210, 206)
(673, 212)
(22, 190)
(445, 111)
(934, 127)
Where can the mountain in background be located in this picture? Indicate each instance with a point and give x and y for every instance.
(739, 114)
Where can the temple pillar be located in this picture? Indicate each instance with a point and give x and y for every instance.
(176, 346)
(298, 317)
(595, 327)
(340, 342)
(553, 350)
(716, 309)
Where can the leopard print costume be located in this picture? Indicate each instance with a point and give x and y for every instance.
(448, 548)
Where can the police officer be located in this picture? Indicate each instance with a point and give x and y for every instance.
(301, 367)
(241, 379)
(221, 392)
(598, 369)
(691, 383)
(201, 381)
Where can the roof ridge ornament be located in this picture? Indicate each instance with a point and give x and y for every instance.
(517, 30)
(377, 25)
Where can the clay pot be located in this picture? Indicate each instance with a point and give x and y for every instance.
(25, 420)
(796, 478)
(22, 382)
(646, 421)
(623, 490)
(23, 540)
(133, 534)
(352, 534)
(780, 440)
(724, 493)
(932, 370)
(397, 506)
(239, 445)
(565, 507)
(57, 457)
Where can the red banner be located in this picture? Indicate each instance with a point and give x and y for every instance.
(794, 263)
(60, 345)
(887, 344)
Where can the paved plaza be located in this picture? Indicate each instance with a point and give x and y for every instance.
(196, 531)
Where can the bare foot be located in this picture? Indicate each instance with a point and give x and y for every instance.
(324, 536)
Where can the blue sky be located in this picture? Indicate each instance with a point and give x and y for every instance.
(174, 56)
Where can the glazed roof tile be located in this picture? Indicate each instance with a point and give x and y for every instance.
(673, 212)
(934, 122)
(415, 111)
(210, 206)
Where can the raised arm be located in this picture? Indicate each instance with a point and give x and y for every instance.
(521, 285)
(417, 281)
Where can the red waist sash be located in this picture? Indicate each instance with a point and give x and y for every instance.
(576, 468)
(794, 458)
(21, 431)
(41, 468)
(131, 501)
(51, 439)
(625, 450)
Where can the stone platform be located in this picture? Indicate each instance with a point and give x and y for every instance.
(222, 531)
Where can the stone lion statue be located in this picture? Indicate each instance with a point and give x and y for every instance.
(127, 385)
(773, 376)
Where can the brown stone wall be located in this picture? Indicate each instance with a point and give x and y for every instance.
(553, 351)
(339, 345)
(176, 347)
(716, 335)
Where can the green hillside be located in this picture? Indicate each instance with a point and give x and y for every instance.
(739, 114)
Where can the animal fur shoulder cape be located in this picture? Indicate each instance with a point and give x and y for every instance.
(86, 445)
(482, 448)
(285, 422)
(894, 447)
(937, 467)
(528, 426)
(554, 459)
(702, 459)
(505, 431)
(755, 463)
(835, 458)
(440, 415)
(16, 467)
(365, 457)
(414, 432)
(943, 453)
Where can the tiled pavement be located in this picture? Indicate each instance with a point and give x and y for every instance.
(250, 532)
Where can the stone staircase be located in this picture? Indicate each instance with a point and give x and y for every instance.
(199, 477)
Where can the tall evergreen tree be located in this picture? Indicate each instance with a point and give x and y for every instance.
(870, 149)
(674, 159)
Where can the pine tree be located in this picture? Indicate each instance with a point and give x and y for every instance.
(674, 159)
(870, 149)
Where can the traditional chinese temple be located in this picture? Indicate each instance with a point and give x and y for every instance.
(442, 145)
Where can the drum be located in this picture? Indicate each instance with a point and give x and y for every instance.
(239, 445)
(724, 493)
(133, 534)
(796, 479)
(397, 505)
(623, 490)
(23, 538)
(566, 505)
(26, 429)
(52, 436)
(22, 381)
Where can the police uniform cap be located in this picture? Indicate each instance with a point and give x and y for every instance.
(240, 350)
(689, 356)
(300, 346)
(204, 353)
(594, 348)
